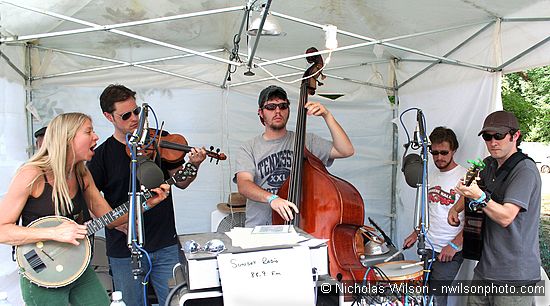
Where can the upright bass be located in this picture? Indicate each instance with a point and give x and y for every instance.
(325, 201)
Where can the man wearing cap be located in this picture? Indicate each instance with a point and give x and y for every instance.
(510, 197)
(264, 162)
(39, 136)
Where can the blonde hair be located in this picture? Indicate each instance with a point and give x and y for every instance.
(52, 157)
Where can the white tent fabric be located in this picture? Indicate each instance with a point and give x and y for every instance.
(192, 96)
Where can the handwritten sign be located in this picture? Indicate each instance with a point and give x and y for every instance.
(273, 277)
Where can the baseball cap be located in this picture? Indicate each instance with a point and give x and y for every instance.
(500, 122)
(40, 132)
(269, 92)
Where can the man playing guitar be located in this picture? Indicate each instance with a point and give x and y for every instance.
(511, 202)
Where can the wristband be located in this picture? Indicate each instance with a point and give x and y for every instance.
(481, 198)
(271, 198)
(145, 206)
(454, 246)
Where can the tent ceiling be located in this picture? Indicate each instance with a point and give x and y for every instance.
(398, 22)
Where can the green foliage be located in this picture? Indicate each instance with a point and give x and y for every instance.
(527, 94)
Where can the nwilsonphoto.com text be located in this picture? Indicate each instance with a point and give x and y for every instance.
(455, 288)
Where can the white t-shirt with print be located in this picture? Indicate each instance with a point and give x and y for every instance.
(441, 197)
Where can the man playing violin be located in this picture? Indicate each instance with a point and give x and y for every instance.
(264, 162)
(110, 168)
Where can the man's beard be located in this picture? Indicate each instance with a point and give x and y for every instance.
(444, 166)
(278, 126)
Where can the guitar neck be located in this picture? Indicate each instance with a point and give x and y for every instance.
(471, 175)
(99, 223)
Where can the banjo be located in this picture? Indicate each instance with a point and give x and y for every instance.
(53, 264)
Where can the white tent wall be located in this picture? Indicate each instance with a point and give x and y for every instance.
(13, 145)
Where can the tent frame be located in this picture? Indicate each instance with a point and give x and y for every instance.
(113, 28)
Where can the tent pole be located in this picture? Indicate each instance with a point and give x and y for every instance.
(236, 41)
(259, 33)
(525, 19)
(111, 26)
(28, 96)
(520, 55)
(393, 203)
(381, 42)
(12, 65)
(120, 64)
(448, 53)
(384, 42)
(126, 34)
(324, 70)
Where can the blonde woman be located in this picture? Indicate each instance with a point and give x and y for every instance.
(55, 181)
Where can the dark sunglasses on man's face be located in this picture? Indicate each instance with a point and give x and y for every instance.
(273, 106)
(497, 136)
(442, 152)
(127, 115)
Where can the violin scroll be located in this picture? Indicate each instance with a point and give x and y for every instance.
(216, 155)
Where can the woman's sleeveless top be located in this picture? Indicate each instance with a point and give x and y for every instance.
(43, 206)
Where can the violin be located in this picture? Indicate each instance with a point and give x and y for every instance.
(172, 147)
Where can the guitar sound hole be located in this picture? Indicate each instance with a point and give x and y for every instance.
(35, 261)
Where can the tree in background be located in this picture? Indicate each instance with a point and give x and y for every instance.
(527, 94)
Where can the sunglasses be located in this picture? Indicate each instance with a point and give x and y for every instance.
(497, 136)
(442, 152)
(213, 246)
(273, 106)
(127, 115)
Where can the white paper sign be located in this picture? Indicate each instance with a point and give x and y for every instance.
(273, 277)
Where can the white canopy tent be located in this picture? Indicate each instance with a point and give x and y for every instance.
(447, 59)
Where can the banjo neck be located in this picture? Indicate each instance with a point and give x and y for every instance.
(101, 222)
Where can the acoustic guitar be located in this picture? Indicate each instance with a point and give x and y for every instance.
(54, 264)
(473, 219)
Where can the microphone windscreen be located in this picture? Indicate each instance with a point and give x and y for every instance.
(412, 168)
(148, 173)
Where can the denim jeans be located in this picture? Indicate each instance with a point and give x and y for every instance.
(444, 271)
(163, 261)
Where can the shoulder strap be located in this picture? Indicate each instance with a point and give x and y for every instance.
(84, 212)
(502, 173)
(510, 164)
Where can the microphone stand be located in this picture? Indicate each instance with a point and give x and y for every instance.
(135, 221)
(422, 218)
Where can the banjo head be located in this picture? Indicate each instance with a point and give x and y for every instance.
(52, 264)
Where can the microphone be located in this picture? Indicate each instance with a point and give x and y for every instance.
(148, 173)
(138, 135)
(412, 169)
(143, 123)
(412, 166)
(416, 141)
(420, 126)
